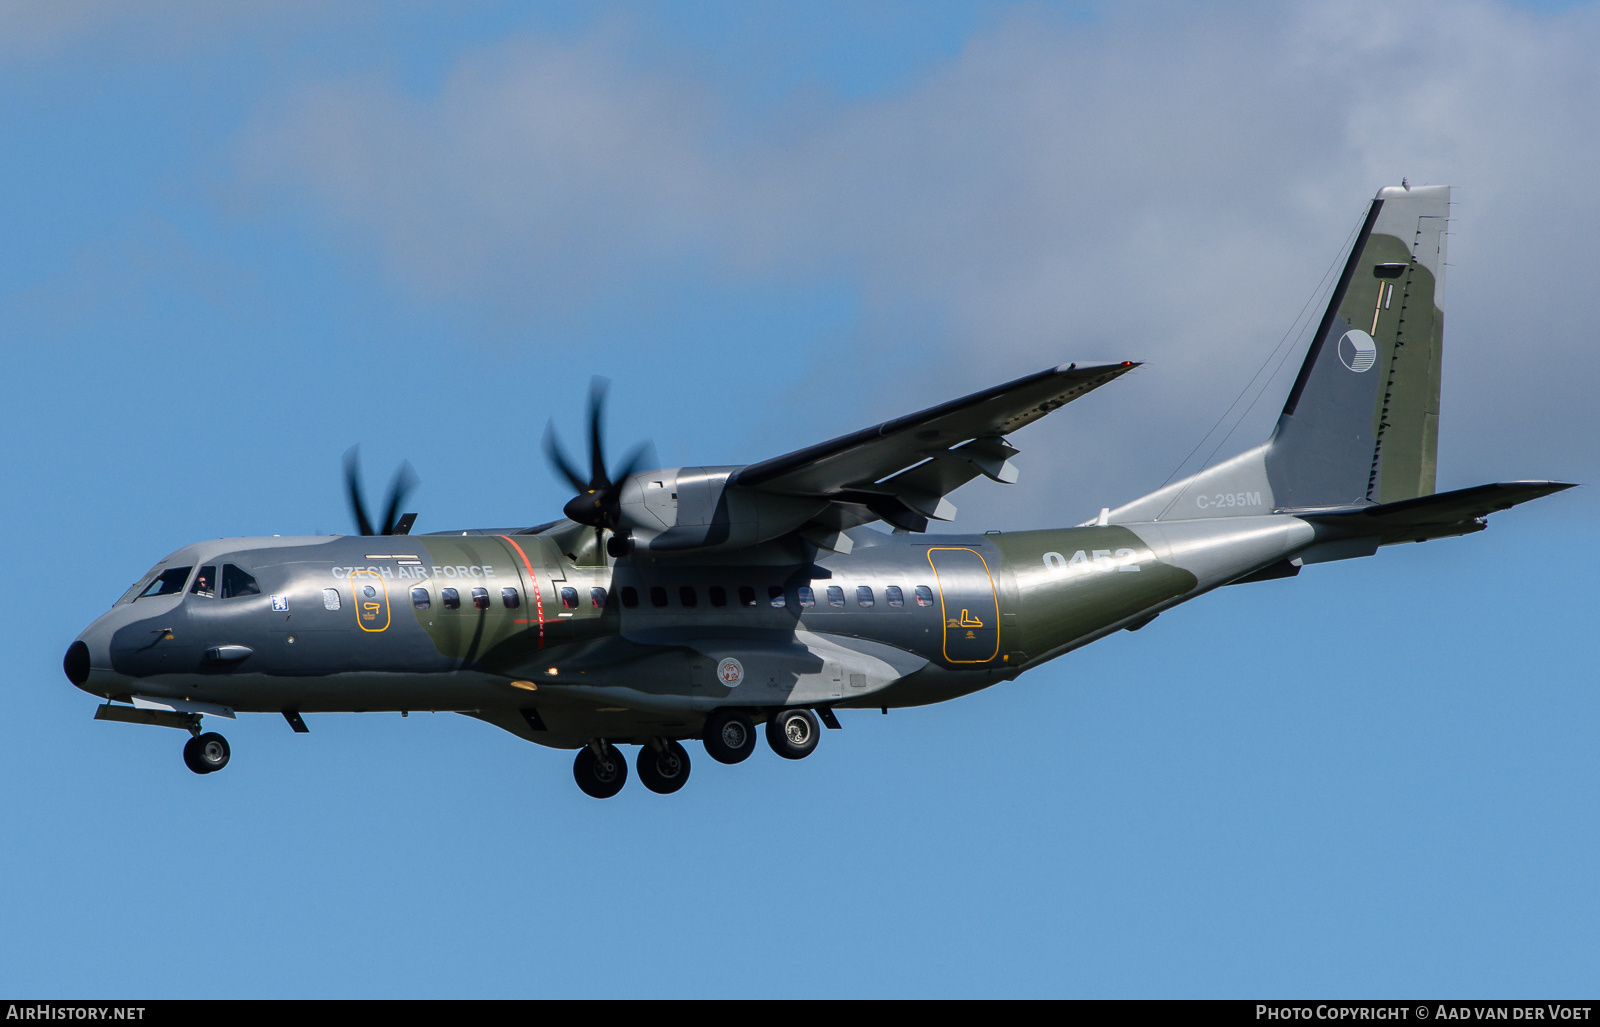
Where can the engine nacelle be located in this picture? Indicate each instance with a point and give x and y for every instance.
(684, 508)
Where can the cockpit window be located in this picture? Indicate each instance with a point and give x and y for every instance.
(205, 583)
(168, 582)
(236, 582)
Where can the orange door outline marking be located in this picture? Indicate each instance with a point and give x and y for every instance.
(964, 622)
(369, 609)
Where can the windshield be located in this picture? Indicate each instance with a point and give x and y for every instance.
(168, 582)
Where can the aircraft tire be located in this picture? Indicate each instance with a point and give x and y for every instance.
(729, 736)
(793, 734)
(191, 756)
(207, 753)
(597, 779)
(663, 772)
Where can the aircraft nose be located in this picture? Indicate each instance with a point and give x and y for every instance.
(90, 658)
(77, 663)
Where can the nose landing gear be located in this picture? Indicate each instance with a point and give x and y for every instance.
(206, 753)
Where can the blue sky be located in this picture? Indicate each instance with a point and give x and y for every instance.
(237, 241)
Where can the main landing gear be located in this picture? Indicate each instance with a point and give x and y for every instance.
(600, 769)
(793, 734)
(663, 770)
(729, 736)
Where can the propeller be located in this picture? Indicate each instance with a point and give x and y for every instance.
(599, 499)
(394, 523)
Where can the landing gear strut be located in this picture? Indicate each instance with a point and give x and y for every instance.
(207, 753)
(663, 771)
(793, 734)
(601, 771)
(729, 735)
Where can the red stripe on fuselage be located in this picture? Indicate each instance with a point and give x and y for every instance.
(538, 600)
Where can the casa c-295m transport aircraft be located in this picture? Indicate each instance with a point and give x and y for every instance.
(698, 602)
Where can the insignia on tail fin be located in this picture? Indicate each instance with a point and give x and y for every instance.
(1362, 420)
(1361, 425)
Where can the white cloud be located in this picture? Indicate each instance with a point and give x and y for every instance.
(1166, 184)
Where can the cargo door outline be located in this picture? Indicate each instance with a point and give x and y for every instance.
(372, 613)
(971, 619)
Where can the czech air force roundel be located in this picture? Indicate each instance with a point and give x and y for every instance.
(1357, 350)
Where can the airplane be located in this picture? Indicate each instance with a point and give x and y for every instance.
(685, 603)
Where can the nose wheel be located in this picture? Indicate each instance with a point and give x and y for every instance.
(207, 753)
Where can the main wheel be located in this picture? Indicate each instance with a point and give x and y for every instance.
(207, 753)
(793, 734)
(729, 736)
(600, 776)
(663, 772)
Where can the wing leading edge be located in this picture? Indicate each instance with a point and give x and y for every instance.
(901, 470)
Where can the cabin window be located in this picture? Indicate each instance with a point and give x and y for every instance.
(630, 596)
(658, 596)
(450, 598)
(420, 598)
(205, 583)
(330, 599)
(807, 597)
(510, 598)
(569, 598)
(169, 582)
(747, 596)
(480, 598)
(687, 597)
(236, 582)
(717, 595)
(835, 595)
(893, 595)
(597, 598)
(864, 596)
(924, 595)
(775, 596)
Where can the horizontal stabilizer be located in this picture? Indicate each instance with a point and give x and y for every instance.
(1437, 516)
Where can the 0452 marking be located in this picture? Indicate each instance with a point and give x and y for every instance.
(1103, 560)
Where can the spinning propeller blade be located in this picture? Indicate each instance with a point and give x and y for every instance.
(405, 480)
(598, 502)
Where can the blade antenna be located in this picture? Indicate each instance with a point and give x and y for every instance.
(405, 479)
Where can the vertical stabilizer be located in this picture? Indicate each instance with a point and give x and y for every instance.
(1361, 424)
(1362, 420)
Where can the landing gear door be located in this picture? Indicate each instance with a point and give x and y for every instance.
(970, 605)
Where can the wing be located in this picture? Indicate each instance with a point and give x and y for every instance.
(901, 470)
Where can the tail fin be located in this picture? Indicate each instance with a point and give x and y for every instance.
(1362, 421)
